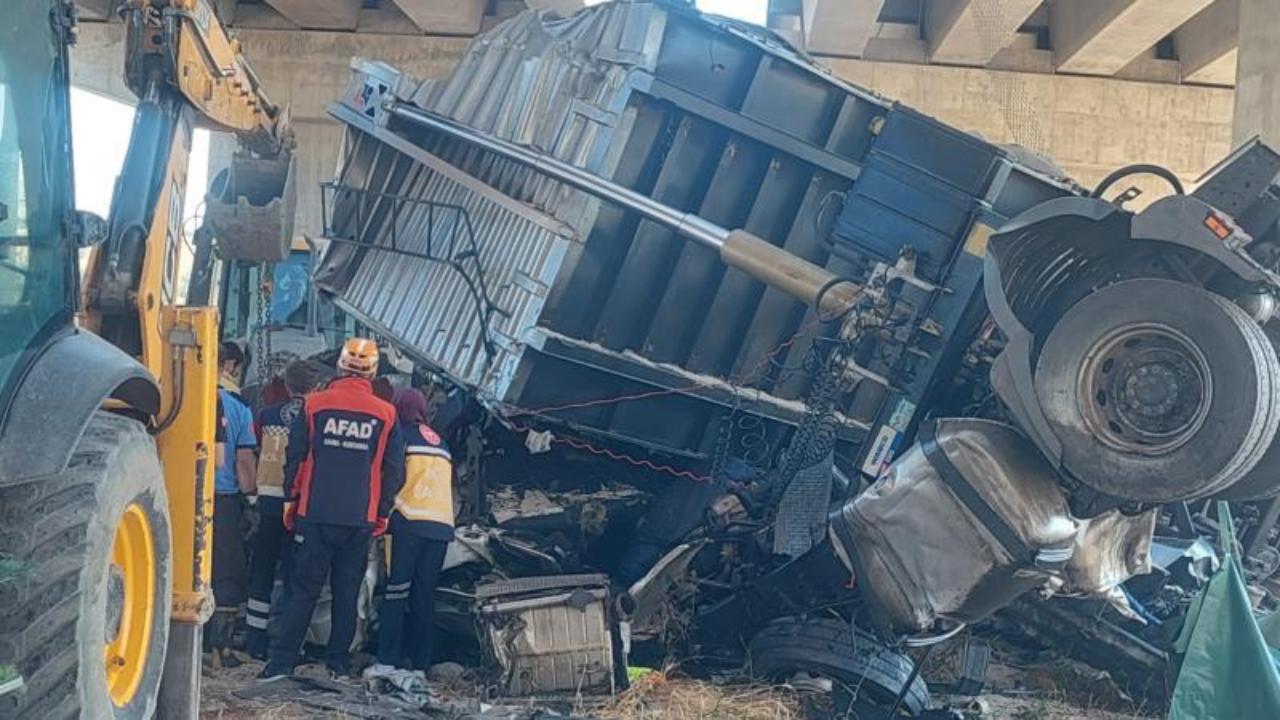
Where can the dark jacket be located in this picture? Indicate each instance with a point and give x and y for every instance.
(345, 460)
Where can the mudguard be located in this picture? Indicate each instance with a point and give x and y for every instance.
(1029, 264)
(1048, 258)
(57, 397)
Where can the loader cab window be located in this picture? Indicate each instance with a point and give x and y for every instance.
(36, 283)
(242, 301)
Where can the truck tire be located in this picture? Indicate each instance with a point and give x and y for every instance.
(1263, 481)
(1158, 391)
(86, 622)
(833, 649)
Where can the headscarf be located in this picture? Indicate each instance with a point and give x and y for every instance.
(411, 406)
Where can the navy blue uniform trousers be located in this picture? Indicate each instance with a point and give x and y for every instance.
(271, 551)
(411, 601)
(341, 553)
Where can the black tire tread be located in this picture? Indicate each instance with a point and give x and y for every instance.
(1258, 480)
(1267, 417)
(44, 524)
(833, 647)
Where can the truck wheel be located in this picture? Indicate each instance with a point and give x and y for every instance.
(87, 620)
(861, 667)
(1158, 391)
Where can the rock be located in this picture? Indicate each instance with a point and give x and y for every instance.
(446, 672)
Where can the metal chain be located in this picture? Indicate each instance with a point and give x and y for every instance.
(266, 275)
(816, 435)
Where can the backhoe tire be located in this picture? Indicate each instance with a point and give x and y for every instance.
(92, 545)
(852, 659)
(1159, 391)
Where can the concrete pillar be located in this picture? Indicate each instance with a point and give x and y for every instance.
(1100, 37)
(97, 61)
(1207, 44)
(971, 32)
(1257, 97)
(840, 27)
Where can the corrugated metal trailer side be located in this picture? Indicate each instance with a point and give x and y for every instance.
(587, 303)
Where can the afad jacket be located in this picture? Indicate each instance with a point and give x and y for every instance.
(345, 461)
(424, 506)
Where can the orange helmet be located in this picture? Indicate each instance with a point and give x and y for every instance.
(359, 357)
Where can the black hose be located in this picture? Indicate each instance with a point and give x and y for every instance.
(822, 293)
(1140, 169)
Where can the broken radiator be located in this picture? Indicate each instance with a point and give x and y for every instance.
(549, 634)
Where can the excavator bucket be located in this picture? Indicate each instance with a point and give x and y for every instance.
(251, 208)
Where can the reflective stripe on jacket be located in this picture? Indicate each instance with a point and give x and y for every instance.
(273, 443)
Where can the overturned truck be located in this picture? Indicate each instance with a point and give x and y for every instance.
(877, 377)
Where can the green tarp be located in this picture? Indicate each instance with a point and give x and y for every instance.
(1229, 657)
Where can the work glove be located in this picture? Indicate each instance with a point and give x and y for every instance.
(380, 527)
(290, 515)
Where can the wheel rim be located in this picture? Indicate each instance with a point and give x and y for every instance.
(131, 584)
(1145, 389)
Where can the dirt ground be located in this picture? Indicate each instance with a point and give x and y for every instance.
(653, 697)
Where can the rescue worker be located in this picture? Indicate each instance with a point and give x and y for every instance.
(344, 466)
(271, 544)
(421, 529)
(235, 477)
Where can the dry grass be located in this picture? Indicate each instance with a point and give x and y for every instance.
(657, 695)
(218, 701)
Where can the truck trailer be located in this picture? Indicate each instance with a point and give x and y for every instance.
(880, 376)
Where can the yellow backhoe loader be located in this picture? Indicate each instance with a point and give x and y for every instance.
(107, 381)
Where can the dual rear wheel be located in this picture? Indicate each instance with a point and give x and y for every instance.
(1161, 391)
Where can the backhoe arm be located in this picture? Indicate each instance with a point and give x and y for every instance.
(195, 55)
(187, 72)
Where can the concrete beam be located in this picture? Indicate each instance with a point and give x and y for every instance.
(1099, 37)
(971, 32)
(1219, 72)
(444, 17)
(320, 14)
(1207, 44)
(840, 27)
